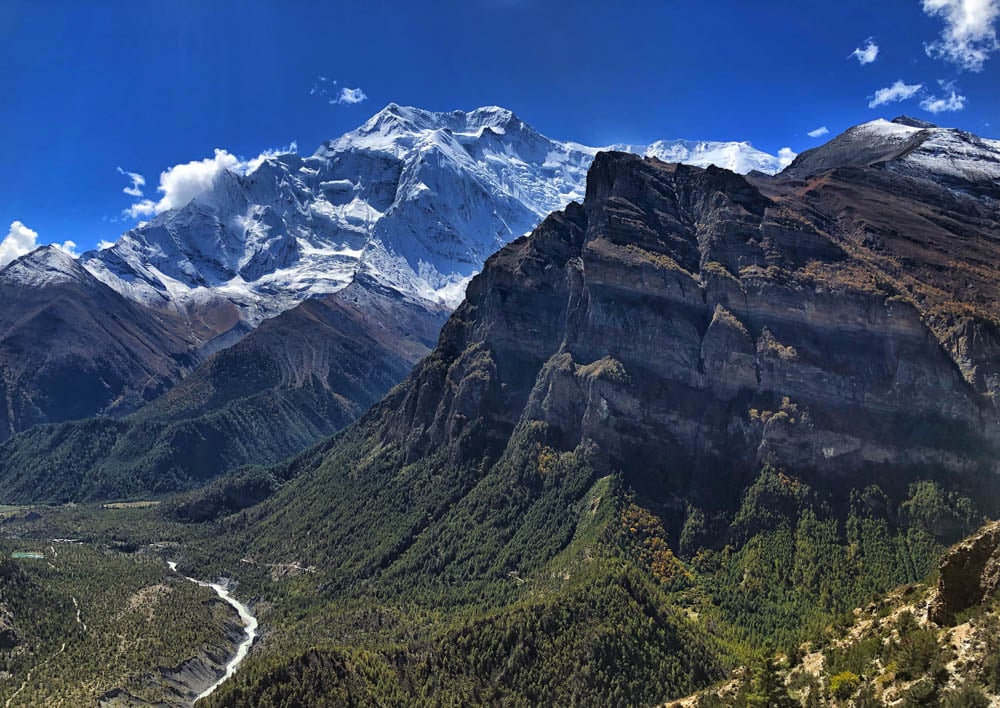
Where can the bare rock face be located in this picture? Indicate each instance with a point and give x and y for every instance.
(696, 325)
(970, 574)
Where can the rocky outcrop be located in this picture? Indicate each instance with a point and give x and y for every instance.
(8, 634)
(9, 637)
(969, 575)
(696, 325)
(180, 685)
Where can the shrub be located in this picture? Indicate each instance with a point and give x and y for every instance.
(844, 684)
(916, 653)
(922, 693)
(967, 694)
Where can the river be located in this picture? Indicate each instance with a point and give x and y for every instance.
(249, 628)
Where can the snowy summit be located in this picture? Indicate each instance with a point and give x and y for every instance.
(415, 199)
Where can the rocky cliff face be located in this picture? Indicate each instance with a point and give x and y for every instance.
(969, 575)
(785, 381)
(695, 325)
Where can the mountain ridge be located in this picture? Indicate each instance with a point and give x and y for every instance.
(412, 200)
(694, 418)
(913, 148)
(295, 379)
(363, 196)
(111, 355)
(745, 390)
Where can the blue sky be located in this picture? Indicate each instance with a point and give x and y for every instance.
(91, 87)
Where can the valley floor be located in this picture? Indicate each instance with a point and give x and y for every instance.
(610, 613)
(100, 620)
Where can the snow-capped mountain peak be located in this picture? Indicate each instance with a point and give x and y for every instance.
(395, 128)
(914, 148)
(415, 199)
(739, 157)
(44, 266)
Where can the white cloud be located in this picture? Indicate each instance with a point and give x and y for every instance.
(103, 245)
(949, 103)
(323, 86)
(866, 54)
(67, 246)
(969, 35)
(21, 240)
(138, 182)
(897, 92)
(819, 132)
(785, 157)
(182, 183)
(350, 96)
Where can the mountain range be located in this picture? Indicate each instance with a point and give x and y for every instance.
(406, 208)
(698, 413)
(414, 199)
(692, 420)
(686, 327)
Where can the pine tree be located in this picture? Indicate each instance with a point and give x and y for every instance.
(768, 688)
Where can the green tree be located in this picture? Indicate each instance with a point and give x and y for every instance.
(767, 687)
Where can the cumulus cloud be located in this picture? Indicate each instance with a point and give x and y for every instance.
(899, 91)
(182, 183)
(138, 182)
(785, 157)
(866, 54)
(67, 246)
(969, 36)
(21, 240)
(819, 132)
(949, 103)
(350, 96)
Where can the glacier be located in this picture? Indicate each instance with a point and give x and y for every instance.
(414, 199)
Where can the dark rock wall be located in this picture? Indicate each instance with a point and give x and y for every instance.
(695, 329)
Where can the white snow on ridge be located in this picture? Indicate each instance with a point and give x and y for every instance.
(929, 152)
(43, 267)
(954, 159)
(955, 154)
(887, 130)
(416, 199)
(737, 157)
